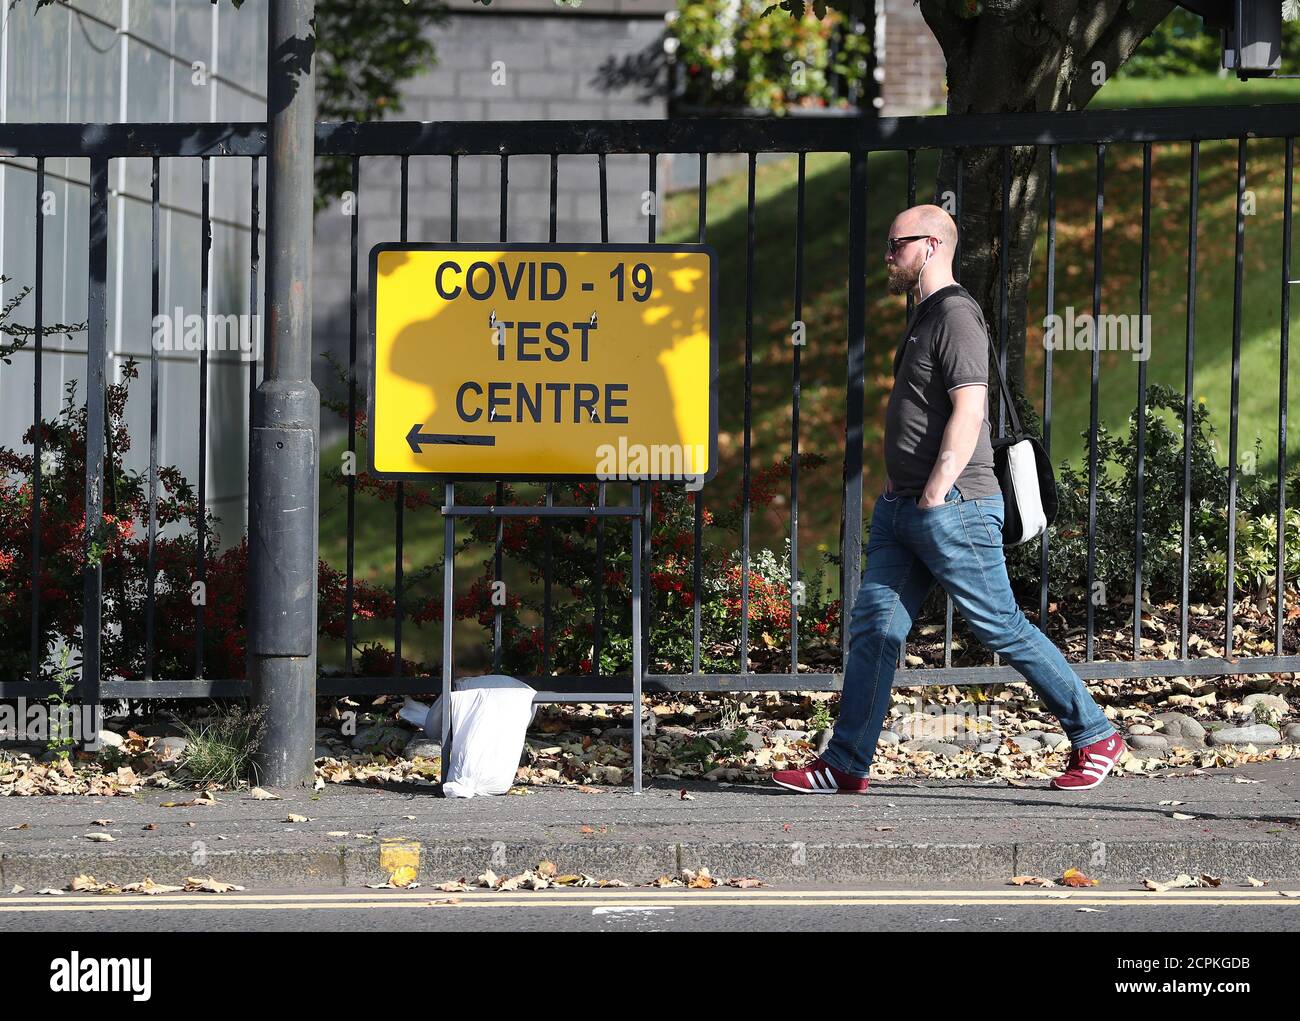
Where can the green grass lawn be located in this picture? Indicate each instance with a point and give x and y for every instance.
(1194, 90)
(823, 358)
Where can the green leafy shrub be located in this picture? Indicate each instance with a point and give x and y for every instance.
(732, 56)
(1181, 45)
(670, 570)
(1162, 513)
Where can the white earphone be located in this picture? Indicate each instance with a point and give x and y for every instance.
(929, 251)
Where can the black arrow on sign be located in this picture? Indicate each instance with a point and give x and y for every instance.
(415, 438)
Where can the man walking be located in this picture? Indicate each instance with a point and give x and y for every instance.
(940, 520)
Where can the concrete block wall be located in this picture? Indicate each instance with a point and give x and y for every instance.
(520, 60)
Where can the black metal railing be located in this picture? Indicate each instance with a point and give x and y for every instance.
(859, 141)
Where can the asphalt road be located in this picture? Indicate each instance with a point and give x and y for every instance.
(900, 907)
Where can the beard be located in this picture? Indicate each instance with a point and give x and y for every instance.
(901, 280)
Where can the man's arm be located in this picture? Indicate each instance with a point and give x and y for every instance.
(959, 438)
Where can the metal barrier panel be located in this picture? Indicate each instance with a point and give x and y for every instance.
(959, 140)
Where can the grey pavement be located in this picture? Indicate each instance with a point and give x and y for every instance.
(902, 830)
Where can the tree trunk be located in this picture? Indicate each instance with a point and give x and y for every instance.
(1013, 56)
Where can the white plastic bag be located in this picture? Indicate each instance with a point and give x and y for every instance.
(489, 718)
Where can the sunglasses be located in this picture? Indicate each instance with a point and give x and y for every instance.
(896, 243)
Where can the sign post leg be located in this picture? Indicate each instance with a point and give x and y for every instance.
(636, 640)
(448, 577)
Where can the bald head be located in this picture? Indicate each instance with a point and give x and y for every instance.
(924, 262)
(927, 219)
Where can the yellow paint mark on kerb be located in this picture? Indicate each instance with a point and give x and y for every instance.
(396, 853)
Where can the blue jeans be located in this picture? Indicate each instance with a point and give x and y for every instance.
(959, 545)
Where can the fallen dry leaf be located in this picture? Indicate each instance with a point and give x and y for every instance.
(258, 794)
(1180, 882)
(1073, 877)
(207, 884)
(698, 880)
(89, 884)
(455, 886)
(149, 888)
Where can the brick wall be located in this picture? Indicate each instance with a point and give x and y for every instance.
(913, 65)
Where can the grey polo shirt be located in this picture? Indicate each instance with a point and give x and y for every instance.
(944, 347)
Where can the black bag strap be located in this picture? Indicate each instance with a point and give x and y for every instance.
(997, 364)
(1006, 390)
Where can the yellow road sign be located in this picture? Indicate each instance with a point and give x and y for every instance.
(543, 360)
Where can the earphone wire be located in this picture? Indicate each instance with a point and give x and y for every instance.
(921, 271)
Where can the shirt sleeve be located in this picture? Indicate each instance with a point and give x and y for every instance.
(961, 348)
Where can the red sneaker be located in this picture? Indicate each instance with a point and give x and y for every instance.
(819, 777)
(1089, 765)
